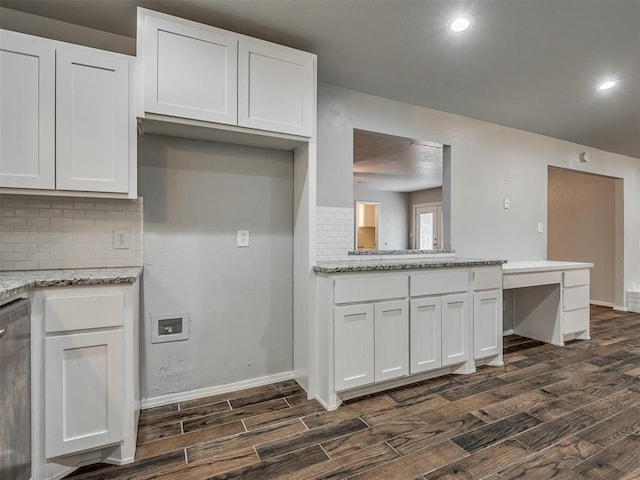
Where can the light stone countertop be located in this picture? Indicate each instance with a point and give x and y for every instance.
(16, 282)
(401, 264)
(530, 266)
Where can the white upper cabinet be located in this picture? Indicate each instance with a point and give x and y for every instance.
(198, 72)
(190, 71)
(65, 119)
(27, 112)
(92, 112)
(275, 88)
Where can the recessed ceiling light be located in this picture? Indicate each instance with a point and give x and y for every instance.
(607, 85)
(460, 23)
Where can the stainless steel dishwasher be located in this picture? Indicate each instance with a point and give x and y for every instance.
(15, 390)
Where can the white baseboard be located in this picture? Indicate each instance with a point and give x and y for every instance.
(601, 304)
(507, 332)
(620, 308)
(205, 392)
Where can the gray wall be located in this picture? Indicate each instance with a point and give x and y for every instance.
(430, 195)
(393, 217)
(488, 162)
(239, 299)
(582, 225)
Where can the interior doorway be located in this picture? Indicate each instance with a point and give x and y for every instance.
(585, 214)
(367, 226)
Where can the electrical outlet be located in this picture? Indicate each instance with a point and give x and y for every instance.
(121, 238)
(242, 238)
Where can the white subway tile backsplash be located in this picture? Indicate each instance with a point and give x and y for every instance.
(334, 233)
(57, 232)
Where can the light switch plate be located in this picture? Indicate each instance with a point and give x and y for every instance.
(540, 227)
(507, 202)
(243, 238)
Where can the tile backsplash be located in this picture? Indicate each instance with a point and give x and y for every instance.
(38, 232)
(334, 233)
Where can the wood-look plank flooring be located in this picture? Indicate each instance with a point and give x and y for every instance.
(565, 413)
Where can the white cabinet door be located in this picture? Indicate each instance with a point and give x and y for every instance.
(353, 343)
(275, 88)
(27, 112)
(456, 323)
(92, 121)
(487, 323)
(425, 334)
(83, 391)
(190, 71)
(391, 340)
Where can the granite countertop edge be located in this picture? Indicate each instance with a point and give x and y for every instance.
(399, 264)
(20, 281)
(399, 252)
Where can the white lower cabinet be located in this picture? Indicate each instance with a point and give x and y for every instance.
(575, 303)
(391, 352)
(439, 331)
(84, 391)
(385, 329)
(456, 322)
(85, 377)
(371, 343)
(487, 323)
(354, 338)
(425, 334)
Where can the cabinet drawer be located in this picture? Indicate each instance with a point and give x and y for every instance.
(440, 282)
(576, 297)
(575, 321)
(487, 279)
(574, 278)
(78, 312)
(350, 290)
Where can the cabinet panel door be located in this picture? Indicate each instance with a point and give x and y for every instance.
(83, 391)
(425, 334)
(391, 350)
(455, 328)
(487, 323)
(353, 340)
(92, 121)
(275, 88)
(190, 71)
(27, 112)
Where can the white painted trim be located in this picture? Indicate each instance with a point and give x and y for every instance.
(601, 304)
(507, 332)
(205, 392)
(620, 308)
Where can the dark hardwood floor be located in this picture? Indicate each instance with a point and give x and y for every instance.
(570, 413)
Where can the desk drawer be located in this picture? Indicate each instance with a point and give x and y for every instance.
(351, 290)
(575, 297)
(574, 278)
(439, 282)
(519, 280)
(575, 321)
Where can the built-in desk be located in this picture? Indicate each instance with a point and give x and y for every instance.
(547, 300)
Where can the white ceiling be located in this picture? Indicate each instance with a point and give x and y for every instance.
(528, 64)
(395, 164)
